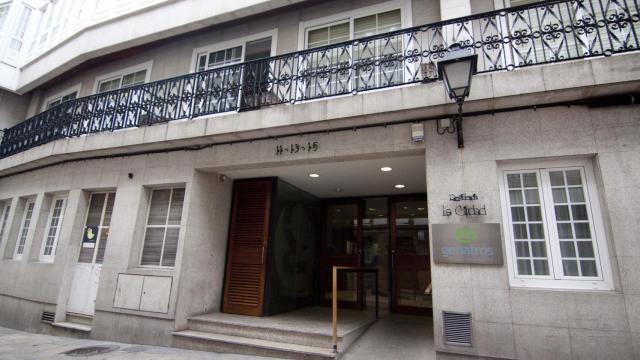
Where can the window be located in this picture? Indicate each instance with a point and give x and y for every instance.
(123, 81)
(24, 229)
(96, 228)
(60, 99)
(553, 227)
(52, 232)
(4, 12)
(4, 219)
(219, 58)
(18, 35)
(163, 227)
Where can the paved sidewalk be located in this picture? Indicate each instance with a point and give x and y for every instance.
(19, 345)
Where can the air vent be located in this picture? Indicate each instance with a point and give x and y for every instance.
(48, 316)
(457, 328)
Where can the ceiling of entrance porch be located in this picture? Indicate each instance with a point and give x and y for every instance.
(349, 178)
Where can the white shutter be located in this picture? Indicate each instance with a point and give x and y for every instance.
(163, 227)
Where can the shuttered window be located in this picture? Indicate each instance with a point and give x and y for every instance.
(96, 229)
(328, 35)
(24, 229)
(52, 232)
(163, 227)
(123, 81)
(4, 219)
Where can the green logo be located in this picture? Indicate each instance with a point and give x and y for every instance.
(465, 235)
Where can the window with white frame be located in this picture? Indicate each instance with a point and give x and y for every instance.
(21, 28)
(4, 219)
(52, 232)
(4, 12)
(24, 229)
(96, 228)
(555, 235)
(57, 100)
(123, 81)
(163, 228)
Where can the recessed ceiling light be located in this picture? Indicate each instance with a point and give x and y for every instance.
(314, 175)
(385, 168)
(372, 209)
(399, 186)
(420, 209)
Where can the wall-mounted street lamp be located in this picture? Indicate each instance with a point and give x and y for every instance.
(456, 69)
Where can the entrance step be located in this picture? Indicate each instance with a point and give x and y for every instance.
(248, 346)
(80, 318)
(300, 334)
(72, 326)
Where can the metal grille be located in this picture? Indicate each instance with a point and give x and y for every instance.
(457, 328)
(47, 316)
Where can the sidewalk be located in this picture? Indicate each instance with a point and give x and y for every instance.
(19, 345)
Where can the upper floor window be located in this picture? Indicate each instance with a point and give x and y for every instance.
(163, 227)
(239, 51)
(353, 28)
(554, 232)
(122, 81)
(4, 12)
(24, 229)
(21, 28)
(52, 232)
(4, 218)
(59, 99)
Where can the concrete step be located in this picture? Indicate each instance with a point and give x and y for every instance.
(72, 326)
(268, 333)
(79, 318)
(200, 340)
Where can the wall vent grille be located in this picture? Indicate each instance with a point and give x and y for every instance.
(457, 328)
(48, 316)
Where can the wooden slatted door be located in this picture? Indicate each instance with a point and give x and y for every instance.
(247, 248)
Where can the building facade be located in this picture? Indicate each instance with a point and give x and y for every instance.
(162, 160)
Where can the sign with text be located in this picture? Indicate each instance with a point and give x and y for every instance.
(90, 237)
(467, 244)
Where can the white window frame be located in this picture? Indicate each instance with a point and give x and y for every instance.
(61, 94)
(242, 42)
(101, 227)
(56, 236)
(123, 72)
(6, 4)
(4, 218)
(605, 281)
(16, 26)
(406, 17)
(22, 229)
(165, 226)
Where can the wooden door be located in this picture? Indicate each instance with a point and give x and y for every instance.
(342, 247)
(247, 247)
(411, 269)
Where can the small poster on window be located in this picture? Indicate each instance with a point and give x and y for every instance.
(90, 236)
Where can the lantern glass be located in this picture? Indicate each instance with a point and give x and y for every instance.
(457, 77)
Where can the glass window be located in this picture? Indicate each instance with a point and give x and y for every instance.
(123, 81)
(52, 231)
(551, 226)
(24, 229)
(4, 12)
(163, 227)
(219, 58)
(4, 219)
(18, 35)
(328, 35)
(59, 100)
(96, 229)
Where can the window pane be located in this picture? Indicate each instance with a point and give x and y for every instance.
(538, 249)
(514, 181)
(389, 21)
(5, 217)
(562, 213)
(564, 231)
(536, 231)
(365, 26)
(95, 210)
(175, 214)
(152, 246)
(579, 212)
(541, 267)
(515, 197)
(531, 196)
(575, 194)
(24, 229)
(524, 267)
(170, 247)
(522, 249)
(318, 37)
(582, 230)
(585, 249)
(102, 245)
(588, 268)
(573, 177)
(520, 231)
(559, 195)
(529, 180)
(159, 207)
(570, 267)
(557, 178)
(567, 249)
(517, 213)
(338, 33)
(534, 213)
(108, 211)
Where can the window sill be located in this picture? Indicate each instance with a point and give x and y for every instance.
(561, 285)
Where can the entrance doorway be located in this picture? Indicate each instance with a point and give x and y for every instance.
(86, 275)
(387, 233)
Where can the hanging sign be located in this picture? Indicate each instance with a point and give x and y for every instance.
(89, 237)
(467, 244)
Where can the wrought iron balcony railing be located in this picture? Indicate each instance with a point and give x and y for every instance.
(539, 33)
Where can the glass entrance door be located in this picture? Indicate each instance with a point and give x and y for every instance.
(411, 271)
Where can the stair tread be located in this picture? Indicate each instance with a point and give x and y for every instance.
(71, 325)
(266, 344)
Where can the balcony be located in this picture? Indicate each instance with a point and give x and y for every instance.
(546, 32)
